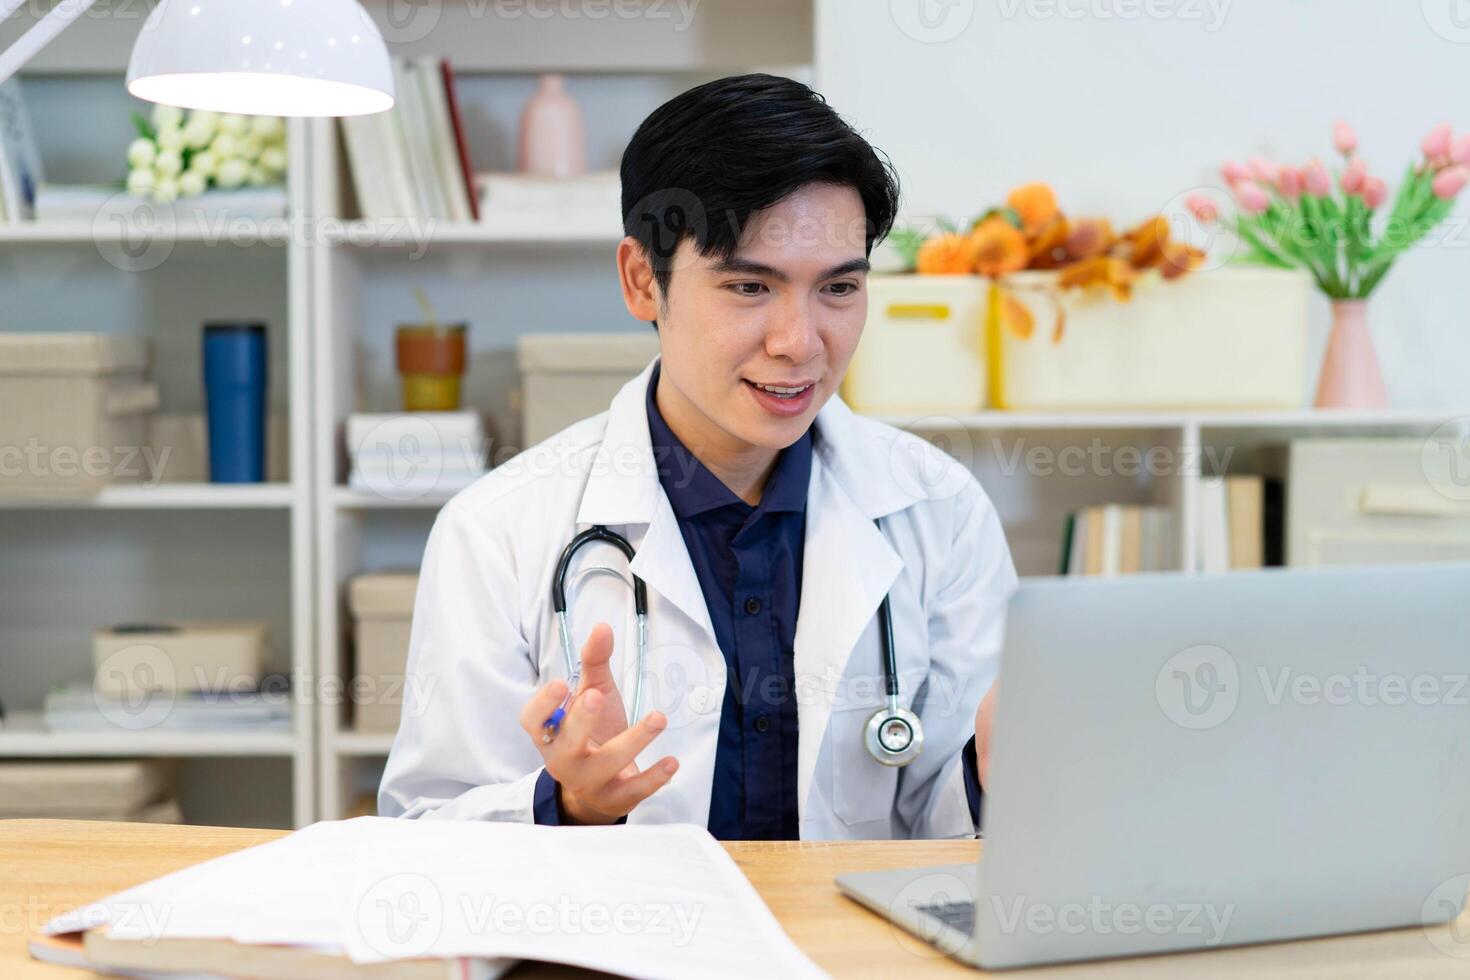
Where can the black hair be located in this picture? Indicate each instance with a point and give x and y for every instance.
(702, 163)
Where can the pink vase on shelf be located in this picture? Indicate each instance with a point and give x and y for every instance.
(1351, 377)
(552, 140)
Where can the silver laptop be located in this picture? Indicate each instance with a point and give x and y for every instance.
(1187, 762)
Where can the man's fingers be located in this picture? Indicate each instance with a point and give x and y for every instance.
(596, 654)
(540, 706)
(607, 761)
(571, 741)
(625, 795)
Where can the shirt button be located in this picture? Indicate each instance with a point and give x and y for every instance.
(752, 605)
(762, 724)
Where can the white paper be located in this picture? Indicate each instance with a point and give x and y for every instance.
(645, 901)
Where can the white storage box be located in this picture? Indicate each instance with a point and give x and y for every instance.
(184, 655)
(382, 612)
(923, 347)
(73, 412)
(572, 376)
(1226, 339)
(1365, 501)
(121, 789)
(180, 445)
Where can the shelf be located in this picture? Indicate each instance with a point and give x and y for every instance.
(236, 232)
(1304, 418)
(167, 496)
(362, 743)
(345, 498)
(24, 734)
(397, 232)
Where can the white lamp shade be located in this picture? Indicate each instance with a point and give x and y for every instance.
(263, 57)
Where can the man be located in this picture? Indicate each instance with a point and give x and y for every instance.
(768, 521)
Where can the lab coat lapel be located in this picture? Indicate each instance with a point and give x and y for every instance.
(623, 490)
(848, 567)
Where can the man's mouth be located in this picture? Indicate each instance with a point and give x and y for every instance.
(782, 391)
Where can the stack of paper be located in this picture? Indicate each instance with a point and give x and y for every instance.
(413, 454)
(109, 203)
(81, 708)
(646, 901)
(514, 204)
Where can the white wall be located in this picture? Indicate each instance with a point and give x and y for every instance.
(1122, 112)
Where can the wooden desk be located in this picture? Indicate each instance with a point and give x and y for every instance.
(48, 866)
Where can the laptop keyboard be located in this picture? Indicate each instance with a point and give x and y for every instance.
(956, 915)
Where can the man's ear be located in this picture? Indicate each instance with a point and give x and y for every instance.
(635, 274)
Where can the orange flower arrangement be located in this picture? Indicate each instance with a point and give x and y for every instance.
(1030, 232)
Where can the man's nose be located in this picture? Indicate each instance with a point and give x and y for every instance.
(794, 335)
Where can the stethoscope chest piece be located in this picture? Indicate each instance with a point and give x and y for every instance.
(894, 736)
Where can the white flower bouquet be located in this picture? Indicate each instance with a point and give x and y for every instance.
(178, 155)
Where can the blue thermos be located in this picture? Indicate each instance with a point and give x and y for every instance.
(235, 384)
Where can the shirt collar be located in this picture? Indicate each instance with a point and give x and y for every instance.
(693, 489)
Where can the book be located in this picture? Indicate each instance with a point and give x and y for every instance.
(1112, 540)
(408, 114)
(448, 178)
(21, 173)
(1130, 547)
(1069, 527)
(1244, 500)
(1214, 526)
(1093, 562)
(195, 957)
(461, 140)
(1273, 523)
(378, 890)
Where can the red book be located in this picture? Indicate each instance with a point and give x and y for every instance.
(459, 138)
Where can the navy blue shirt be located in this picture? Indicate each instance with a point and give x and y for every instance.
(748, 562)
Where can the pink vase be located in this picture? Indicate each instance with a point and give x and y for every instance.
(1351, 377)
(552, 141)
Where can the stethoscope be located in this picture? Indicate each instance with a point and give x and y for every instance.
(893, 734)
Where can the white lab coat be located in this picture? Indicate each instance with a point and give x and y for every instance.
(484, 636)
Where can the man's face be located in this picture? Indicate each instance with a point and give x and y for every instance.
(786, 312)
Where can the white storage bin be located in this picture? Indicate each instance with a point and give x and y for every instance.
(181, 655)
(1226, 339)
(382, 612)
(121, 789)
(73, 412)
(571, 376)
(923, 347)
(1366, 501)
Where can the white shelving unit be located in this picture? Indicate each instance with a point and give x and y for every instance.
(285, 552)
(144, 553)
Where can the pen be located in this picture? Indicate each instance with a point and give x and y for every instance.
(551, 725)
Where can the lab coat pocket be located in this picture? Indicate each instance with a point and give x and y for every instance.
(862, 788)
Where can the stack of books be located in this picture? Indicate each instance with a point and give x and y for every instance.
(1119, 539)
(413, 161)
(406, 455)
(1241, 523)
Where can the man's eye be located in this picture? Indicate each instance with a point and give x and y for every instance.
(844, 288)
(747, 288)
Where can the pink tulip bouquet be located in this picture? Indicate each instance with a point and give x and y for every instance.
(1291, 217)
(1294, 218)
